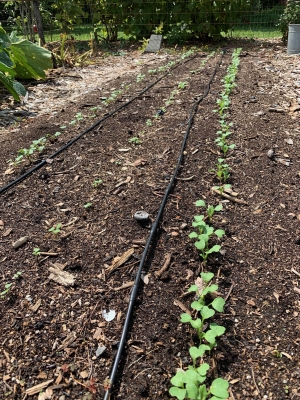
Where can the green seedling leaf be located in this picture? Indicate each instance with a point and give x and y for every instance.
(202, 370)
(200, 203)
(219, 233)
(191, 376)
(215, 249)
(200, 245)
(185, 317)
(207, 312)
(196, 305)
(218, 329)
(178, 379)
(177, 392)
(210, 336)
(202, 392)
(209, 289)
(218, 304)
(192, 391)
(193, 235)
(219, 207)
(196, 323)
(207, 276)
(193, 288)
(198, 218)
(196, 352)
(219, 388)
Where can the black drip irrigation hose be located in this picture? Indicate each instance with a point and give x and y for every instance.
(68, 144)
(154, 227)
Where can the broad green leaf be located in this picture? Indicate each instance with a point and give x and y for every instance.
(185, 317)
(218, 329)
(193, 288)
(192, 235)
(219, 388)
(203, 369)
(219, 233)
(198, 218)
(202, 392)
(196, 323)
(209, 289)
(6, 64)
(196, 352)
(177, 392)
(207, 276)
(204, 237)
(4, 39)
(218, 304)
(30, 60)
(191, 376)
(196, 305)
(200, 245)
(209, 230)
(207, 312)
(192, 391)
(215, 249)
(210, 336)
(200, 203)
(178, 379)
(15, 88)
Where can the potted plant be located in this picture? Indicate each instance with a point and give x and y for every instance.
(289, 25)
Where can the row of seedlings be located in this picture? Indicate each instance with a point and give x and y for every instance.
(192, 383)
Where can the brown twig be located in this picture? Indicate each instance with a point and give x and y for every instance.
(164, 267)
(253, 377)
(227, 196)
(229, 292)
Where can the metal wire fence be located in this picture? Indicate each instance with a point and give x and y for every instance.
(176, 21)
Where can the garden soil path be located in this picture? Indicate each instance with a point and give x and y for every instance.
(56, 334)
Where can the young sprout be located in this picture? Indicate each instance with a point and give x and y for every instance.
(210, 209)
(88, 205)
(36, 251)
(96, 183)
(135, 140)
(55, 229)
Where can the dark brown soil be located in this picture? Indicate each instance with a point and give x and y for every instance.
(51, 332)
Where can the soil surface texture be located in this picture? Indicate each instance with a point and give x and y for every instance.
(66, 285)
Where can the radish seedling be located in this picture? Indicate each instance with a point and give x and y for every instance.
(55, 229)
(210, 209)
(190, 384)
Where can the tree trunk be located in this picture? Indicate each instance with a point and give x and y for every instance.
(38, 20)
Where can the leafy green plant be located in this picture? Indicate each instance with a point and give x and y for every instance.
(97, 183)
(221, 141)
(23, 59)
(36, 146)
(135, 140)
(36, 251)
(222, 170)
(182, 85)
(291, 15)
(203, 236)
(210, 209)
(222, 188)
(87, 205)
(149, 122)
(140, 77)
(190, 384)
(6, 290)
(17, 275)
(55, 229)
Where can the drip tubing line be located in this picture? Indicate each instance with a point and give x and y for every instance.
(72, 141)
(154, 227)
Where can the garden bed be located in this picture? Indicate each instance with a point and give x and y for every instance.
(58, 334)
